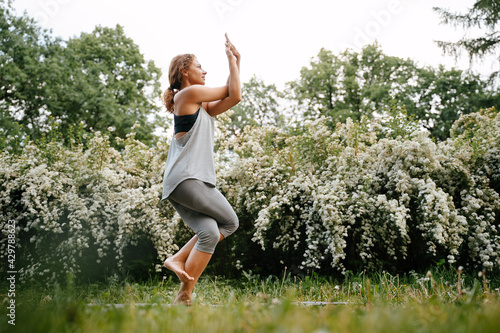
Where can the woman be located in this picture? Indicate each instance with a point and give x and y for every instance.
(189, 180)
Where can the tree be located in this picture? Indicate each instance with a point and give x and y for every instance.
(483, 14)
(23, 72)
(351, 84)
(369, 83)
(99, 80)
(259, 106)
(440, 96)
(105, 82)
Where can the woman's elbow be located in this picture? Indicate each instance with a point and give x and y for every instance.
(235, 97)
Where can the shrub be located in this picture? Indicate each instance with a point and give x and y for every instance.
(78, 210)
(359, 197)
(356, 198)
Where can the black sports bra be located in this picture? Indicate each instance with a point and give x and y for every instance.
(185, 123)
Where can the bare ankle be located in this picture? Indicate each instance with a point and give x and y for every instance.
(183, 298)
(177, 266)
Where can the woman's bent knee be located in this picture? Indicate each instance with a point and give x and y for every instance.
(208, 239)
(236, 223)
(232, 225)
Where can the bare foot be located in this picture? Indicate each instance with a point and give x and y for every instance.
(183, 298)
(178, 268)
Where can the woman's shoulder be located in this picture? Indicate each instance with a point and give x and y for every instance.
(188, 92)
(192, 88)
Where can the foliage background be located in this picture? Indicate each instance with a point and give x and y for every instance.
(366, 161)
(97, 81)
(360, 197)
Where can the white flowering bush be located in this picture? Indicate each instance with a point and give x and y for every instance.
(77, 210)
(474, 148)
(357, 198)
(363, 196)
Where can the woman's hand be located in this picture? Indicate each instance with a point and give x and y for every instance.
(232, 51)
(233, 86)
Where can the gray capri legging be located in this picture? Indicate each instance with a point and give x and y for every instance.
(205, 210)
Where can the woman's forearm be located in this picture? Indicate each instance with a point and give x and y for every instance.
(237, 65)
(234, 84)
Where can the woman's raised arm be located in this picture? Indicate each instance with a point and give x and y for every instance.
(233, 96)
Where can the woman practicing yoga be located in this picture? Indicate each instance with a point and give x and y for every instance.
(189, 180)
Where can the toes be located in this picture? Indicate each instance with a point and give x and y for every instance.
(178, 269)
(187, 276)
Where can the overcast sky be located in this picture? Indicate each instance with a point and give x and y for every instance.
(275, 37)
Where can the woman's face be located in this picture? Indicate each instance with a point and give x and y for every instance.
(196, 74)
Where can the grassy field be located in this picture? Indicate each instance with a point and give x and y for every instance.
(380, 303)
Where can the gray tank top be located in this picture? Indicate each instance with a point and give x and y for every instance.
(191, 156)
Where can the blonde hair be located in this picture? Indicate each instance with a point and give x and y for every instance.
(177, 64)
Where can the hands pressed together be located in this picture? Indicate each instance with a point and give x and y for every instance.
(231, 51)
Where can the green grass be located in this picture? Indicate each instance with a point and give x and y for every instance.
(376, 303)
